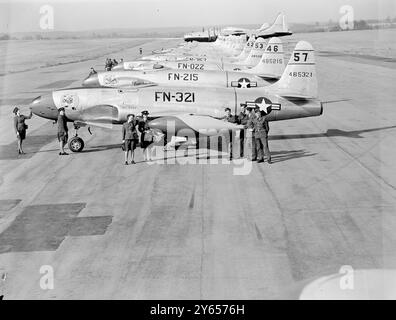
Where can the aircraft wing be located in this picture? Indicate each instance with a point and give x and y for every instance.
(203, 124)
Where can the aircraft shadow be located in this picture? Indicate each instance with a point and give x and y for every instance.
(102, 148)
(356, 134)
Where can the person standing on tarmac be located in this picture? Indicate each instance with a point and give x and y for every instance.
(250, 142)
(261, 129)
(109, 64)
(62, 131)
(140, 51)
(20, 127)
(146, 137)
(130, 137)
(243, 118)
(232, 119)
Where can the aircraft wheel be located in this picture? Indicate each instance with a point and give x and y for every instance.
(76, 144)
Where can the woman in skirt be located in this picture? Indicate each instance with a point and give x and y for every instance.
(20, 127)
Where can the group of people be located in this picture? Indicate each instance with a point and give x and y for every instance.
(254, 137)
(130, 137)
(110, 63)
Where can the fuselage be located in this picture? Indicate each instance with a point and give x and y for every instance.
(170, 77)
(110, 105)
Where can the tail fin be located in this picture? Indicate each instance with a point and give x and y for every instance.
(255, 54)
(272, 63)
(299, 78)
(246, 50)
(280, 23)
(278, 28)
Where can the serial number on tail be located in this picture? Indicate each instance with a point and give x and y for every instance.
(187, 97)
(301, 74)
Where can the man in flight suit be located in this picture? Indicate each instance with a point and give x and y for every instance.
(261, 129)
(232, 119)
(250, 143)
(243, 118)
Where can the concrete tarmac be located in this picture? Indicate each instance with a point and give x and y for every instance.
(198, 231)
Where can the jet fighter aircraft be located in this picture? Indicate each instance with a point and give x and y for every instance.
(176, 109)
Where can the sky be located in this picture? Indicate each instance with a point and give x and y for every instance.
(83, 15)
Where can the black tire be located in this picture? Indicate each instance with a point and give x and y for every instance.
(76, 144)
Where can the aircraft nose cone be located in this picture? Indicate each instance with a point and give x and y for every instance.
(91, 81)
(44, 106)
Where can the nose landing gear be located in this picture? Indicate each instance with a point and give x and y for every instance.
(76, 144)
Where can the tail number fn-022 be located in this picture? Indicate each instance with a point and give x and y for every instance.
(187, 97)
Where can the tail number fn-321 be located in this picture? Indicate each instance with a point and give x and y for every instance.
(187, 97)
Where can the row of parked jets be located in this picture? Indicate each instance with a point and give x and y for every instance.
(189, 86)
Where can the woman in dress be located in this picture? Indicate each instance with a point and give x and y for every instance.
(20, 127)
(146, 137)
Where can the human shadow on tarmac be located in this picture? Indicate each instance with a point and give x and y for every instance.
(284, 155)
(276, 156)
(330, 133)
(31, 146)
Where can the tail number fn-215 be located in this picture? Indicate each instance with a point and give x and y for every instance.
(183, 76)
(187, 97)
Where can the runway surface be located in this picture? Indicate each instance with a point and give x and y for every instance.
(198, 231)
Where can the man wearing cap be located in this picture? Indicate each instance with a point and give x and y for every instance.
(250, 143)
(130, 137)
(261, 129)
(232, 119)
(243, 118)
(20, 127)
(63, 131)
(146, 137)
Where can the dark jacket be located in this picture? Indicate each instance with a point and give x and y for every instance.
(129, 131)
(143, 126)
(231, 119)
(261, 127)
(250, 121)
(243, 118)
(19, 123)
(62, 124)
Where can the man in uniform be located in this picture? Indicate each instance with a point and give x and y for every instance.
(62, 131)
(232, 119)
(250, 143)
(261, 129)
(243, 118)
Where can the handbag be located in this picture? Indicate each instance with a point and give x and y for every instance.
(148, 136)
(123, 146)
(26, 126)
